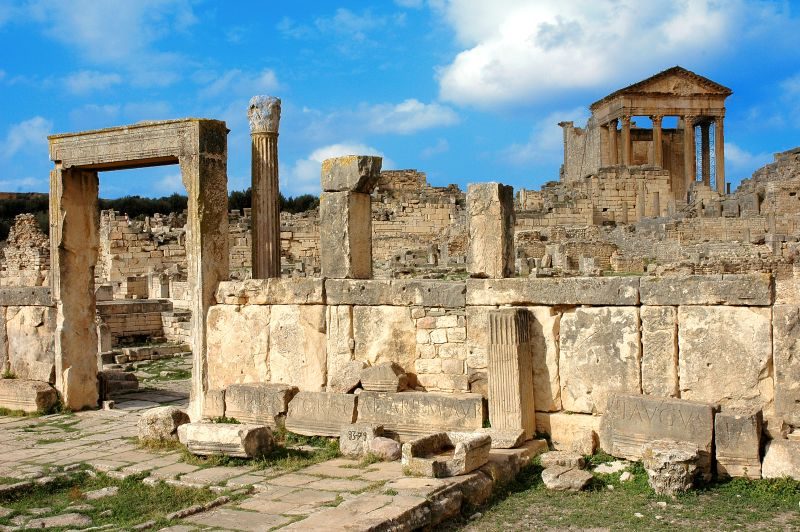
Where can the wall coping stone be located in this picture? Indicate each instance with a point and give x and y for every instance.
(749, 290)
(598, 291)
(26, 296)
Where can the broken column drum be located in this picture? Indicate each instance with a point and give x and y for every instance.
(264, 114)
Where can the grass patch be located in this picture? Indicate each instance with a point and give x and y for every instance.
(223, 419)
(45, 441)
(134, 503)
(525, 504)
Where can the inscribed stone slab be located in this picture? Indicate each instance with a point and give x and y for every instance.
(321, 413)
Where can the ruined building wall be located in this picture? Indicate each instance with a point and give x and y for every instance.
(27, 333)
(26, 254)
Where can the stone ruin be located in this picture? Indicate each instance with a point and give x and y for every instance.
(594, 362)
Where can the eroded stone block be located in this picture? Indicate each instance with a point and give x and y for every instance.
(781, 459)
(490, 208)
(384, 377)
(671, 466)
(386, 334)
(556, 291)
(28, 396)
(630, 421)
(273, 291)
(545, 328)
(570, 432)
(161, 423)
(737, 439)
(786, 359)
(321, 413)
(345, 235)
(259, 403)
(30, 336)
(409, 415)
(659, 351)
(238, 347)
(742, 289)
(600, 354)
(351, 173)
(356, 439)
(237, 440)
(725, 355)
(446, 454)
(297, 346)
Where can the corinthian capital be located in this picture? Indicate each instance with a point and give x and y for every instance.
(264, 113)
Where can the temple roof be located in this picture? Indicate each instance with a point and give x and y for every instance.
(672, 81)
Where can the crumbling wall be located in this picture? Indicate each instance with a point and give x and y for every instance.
(27, 333)
(26, 254)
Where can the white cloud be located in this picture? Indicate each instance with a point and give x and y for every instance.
(237, 83)
(520, 51)
(545, 144)
(85, 81)
(740, 163)
(406, 117)
(441, 146)
(169, 184)
(303, 176)
(25, 184)
(27, 135)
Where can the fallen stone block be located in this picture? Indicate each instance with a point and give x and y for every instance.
(214, 404)
(321, 413)
(562, 458)
(28, 396)
(565, 478)
(114, 382)
(631, 421)
(446, 454)
(346, 378)
(410, 415)
(259, 403)
(570, 432)
(161, 423)
(781, 459)
(737, 441)
(356, 439)
(351, 173)
(387, 377)
(237, 440)
(386, 448)
(505, 439)
(671, 466)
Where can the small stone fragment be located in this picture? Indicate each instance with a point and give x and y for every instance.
(612, 467)
(161, 423)
(505, 439)
(388, 449)
(560, 478)
(561, 458)
(242, 441)
(101, 493)
(671, 466)
(355, 440)
(625, 476)
(346, 378)
(59, 521)
(386, 377)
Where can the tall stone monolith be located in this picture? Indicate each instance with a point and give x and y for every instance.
(490, 207)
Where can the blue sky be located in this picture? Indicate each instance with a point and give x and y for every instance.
(465, 90)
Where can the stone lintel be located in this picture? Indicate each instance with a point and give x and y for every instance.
(377, 292)
(598, 291)
(26, 297)
(750, 290)
(273, 291)
(351, 173)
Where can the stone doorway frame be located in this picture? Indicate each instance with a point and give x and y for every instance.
(199, 146)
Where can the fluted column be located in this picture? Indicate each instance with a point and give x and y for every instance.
(705, 148)
(658, 149)
(719, 154)
(265, 115)
(612, 143)
(626, 141)
(689, 168)
(511, 398)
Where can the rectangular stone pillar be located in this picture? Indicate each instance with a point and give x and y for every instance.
(74, 241)
(346, 216)
(719, 154)
(627, 150)
(511, 398)
(705, 147)
(490, 208)
(690, 168)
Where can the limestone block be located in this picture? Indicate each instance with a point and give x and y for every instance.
(570, 432)
(737, 442)
(786, 360)
(214, 404)
(562, 458)
(386, 448)
(367, 292)
(30, 337)
(273, 291)
(353, 173)
(565, 478)
(505, 439)
(238, 345)
(345, 235)
(345, 378)
(511, 399)
(356, 439)
(781, 459)
(600, 354)
(545, 328)
(446, 454)
(386, 334)
(321, 414)
(161, 423)
(259, 403)
(630, 421)
(28, 396)
(399, 292)
(4, 362)
(384, 377)
(409, 415)
(742, 289)
(671, 466)
(25, 296)
(490, 208)
(237, 440)
(297, 348)
(611, 291)
(659, 351)
(478, 336)
(726, 355)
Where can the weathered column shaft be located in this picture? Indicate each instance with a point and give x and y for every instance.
(612, 143)
(719, 154)
(627, 150)
(490, 209)
(658, 148)
(511, 397)
(75, 243)
(705, 147)
(689, 151)
(264, 114)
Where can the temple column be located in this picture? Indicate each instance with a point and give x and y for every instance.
(689, 168)
(604, 140)
(613, 158)
(705, 147)
(719, 154)
(264, 114)
(658, 149)
(626, 141)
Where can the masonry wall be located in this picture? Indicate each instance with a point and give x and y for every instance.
(27, 329)
(708, 338)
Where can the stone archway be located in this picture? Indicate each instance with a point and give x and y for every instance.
(199, 146)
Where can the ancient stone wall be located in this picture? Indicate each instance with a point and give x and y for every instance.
(26, 254)
(27, 328)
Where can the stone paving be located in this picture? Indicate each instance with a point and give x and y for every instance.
(339, 494)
